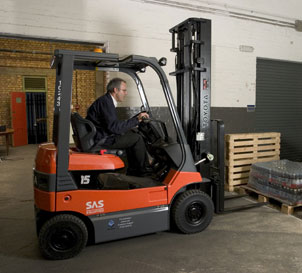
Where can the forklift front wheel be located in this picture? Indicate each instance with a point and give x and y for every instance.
(192, 211)
(62, 237)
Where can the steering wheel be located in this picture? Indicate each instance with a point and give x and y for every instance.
(136, 115)
(153, 130)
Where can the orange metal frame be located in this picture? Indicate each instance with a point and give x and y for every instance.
(89, 202)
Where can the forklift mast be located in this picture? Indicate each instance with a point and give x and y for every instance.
(191, 41)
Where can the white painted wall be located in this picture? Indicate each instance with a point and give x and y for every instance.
(142, 27)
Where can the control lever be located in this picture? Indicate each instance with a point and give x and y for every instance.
(208, 158)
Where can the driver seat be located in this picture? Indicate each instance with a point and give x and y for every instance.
(84, 133)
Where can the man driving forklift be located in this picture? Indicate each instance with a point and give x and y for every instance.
(113, 133)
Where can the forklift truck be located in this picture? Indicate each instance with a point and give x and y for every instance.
(82, 194)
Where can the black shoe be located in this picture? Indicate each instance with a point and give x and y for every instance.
(146, 172)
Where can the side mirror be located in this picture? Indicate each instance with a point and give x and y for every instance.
(206, 158)
(210, 157)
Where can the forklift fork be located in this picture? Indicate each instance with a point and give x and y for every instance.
(218, 174)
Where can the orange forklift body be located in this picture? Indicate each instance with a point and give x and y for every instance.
(81, 195)
(81, 201)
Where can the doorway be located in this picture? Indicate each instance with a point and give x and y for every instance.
(36, 113)
(36, 117)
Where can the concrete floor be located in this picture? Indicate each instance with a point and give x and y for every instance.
(258, 240)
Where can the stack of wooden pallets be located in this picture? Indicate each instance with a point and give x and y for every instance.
(242, 150)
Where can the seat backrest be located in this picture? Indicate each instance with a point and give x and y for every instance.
(83, 132)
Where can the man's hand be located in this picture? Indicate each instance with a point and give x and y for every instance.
(142, 116)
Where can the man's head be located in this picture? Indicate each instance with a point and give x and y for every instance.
(117, 87)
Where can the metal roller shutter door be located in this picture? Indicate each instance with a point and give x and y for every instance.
(279, 103)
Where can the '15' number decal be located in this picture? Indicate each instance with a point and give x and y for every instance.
(85, 179)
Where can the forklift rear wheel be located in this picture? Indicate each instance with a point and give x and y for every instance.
(62, 237)
(192, 211)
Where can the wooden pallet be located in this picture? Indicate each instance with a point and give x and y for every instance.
(242, 150)
(285, 206)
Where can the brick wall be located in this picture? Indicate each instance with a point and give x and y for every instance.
(8, 83)
(38, 55)
(36, 61)
(83, 94)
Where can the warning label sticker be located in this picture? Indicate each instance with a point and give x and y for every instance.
(125, 222)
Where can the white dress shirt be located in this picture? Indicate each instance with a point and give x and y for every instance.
(114, 101)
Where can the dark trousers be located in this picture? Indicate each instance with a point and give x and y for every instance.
(135, 149)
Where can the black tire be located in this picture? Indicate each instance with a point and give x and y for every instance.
(192, 211)
(62, 237)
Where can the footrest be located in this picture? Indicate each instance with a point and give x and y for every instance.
(117, 181)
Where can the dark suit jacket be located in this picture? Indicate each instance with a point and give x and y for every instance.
(103, 115)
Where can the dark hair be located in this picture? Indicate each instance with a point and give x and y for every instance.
(114, 83)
